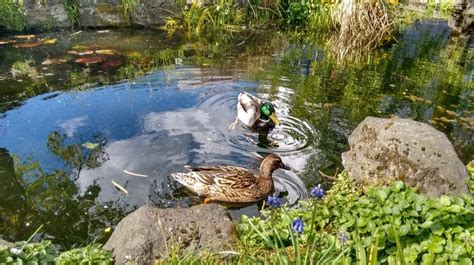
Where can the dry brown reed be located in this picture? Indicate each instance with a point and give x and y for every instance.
(362, 26)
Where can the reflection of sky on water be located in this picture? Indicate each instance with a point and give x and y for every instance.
(155, 126)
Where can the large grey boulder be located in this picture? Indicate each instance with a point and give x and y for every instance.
(51, 13)
(385, 150)
(149, 233)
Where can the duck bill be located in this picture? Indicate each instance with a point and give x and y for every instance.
(275, 120)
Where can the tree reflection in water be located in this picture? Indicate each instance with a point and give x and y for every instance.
(32, 197)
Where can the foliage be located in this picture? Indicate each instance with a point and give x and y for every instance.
(45, 253)
(443, 7)
(28, 253)
(128, 6)
(427, 229)
(23, 68)
(33, 196)
(197, 20)
(91, 254)
(73, 12)
(12, 15)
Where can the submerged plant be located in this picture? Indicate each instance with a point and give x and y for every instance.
(24, 69)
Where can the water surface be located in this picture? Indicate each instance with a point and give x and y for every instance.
(150, 105)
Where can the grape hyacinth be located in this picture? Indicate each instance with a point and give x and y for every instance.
(343, 237)
(317, 192)
(298, 225)
(274, 201)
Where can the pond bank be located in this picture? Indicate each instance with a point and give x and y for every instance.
(65, 14)
(348, 223)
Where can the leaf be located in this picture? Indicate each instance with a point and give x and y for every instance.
(382, 193)
(404, 229)
(426, 224)
(27, 44)
(90, 145)
(120, 187)
(89, 60)
(444, 200)
(105, 52)
(49, 41)
(427, 259)
(30, 36)
(465, 261)
(53, 61)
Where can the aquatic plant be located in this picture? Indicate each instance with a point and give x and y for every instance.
(362, 26)
(12, 15)
(24, 69)
(198, 21)
(128, 7)
(73, 12)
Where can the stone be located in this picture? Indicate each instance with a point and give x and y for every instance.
(386, 150)
(462, 19)
(46, 14)
(147, 234)
(6, 244)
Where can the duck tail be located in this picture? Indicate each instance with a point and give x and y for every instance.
(189, 181)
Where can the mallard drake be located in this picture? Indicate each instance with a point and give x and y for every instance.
(255, 113)
(230, 183)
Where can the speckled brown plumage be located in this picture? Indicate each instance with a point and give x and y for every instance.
(231, 183)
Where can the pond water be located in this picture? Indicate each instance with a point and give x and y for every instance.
(97, 107)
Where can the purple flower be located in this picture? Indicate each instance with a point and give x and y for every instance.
(274, 201)
(317, 192)
(342, 236)
(298, 225)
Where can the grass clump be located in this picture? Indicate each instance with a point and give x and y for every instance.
(12, 15)
(198, 21)
(73, 12)
(362, 26)
(128, 7)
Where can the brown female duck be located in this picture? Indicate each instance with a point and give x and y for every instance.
(230, 183)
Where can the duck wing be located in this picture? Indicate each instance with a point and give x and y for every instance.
(248, 108)
(218, 182)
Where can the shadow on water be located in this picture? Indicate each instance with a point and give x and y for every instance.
(146, 107)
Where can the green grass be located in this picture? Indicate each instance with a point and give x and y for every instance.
(73, 12)
(128, 7)
(12, 15)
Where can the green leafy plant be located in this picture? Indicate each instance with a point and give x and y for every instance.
(12, 15)
(407, 226)
(91, 254)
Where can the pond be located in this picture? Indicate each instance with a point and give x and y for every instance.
(82, 111)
